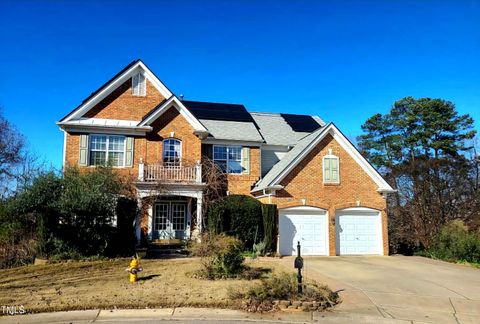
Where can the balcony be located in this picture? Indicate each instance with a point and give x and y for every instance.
(191, 174)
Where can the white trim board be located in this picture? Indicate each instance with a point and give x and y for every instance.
(120, 130)
(114, 84)
(214, 141)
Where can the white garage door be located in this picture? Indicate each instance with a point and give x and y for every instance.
(305, 224)
(359, 231)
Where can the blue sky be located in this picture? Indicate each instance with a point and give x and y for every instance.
(340, 60)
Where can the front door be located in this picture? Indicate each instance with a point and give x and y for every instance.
(169, 220)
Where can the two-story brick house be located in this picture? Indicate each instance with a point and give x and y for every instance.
(328, 196)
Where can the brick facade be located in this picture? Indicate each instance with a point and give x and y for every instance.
(121, 104)
(303, 186)
(170, 124)
(356, 188)
(241, 184)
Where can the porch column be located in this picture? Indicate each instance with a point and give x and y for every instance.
(198, 172)
(150, 221)
(138, 220)
(141, 170)
(199, 213)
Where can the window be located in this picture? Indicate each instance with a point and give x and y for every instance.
(160, 216)
(330, 169)
(139, 85)
(228, 158)
(171, 152)
(107, 150)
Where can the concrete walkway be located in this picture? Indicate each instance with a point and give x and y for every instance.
(192, 315)
(414, 289)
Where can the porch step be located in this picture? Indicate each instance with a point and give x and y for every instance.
(167, 242)
(166, 248)
(166, 253)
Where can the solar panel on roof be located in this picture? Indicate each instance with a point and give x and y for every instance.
(301, 123)
(218, 111)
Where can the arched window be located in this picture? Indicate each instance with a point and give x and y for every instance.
(331, 170)
(172, 152)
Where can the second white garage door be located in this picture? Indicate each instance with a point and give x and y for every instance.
(305, 224)
(358, 231)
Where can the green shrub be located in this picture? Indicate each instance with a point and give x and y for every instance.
(454, 243)
(70, 215)
(237, 215)
(221, 256)
(259, 248)
(269, 227)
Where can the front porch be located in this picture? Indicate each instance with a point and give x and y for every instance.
(170, 199)
(169, 214)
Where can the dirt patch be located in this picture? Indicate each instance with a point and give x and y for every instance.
(104, 284)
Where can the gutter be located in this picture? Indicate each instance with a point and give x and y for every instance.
(274, 188)
(128, 130)
(386, 190)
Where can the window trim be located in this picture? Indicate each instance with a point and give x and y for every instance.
(163, 149)
(227, 146)
(331, 156)
(107, 150)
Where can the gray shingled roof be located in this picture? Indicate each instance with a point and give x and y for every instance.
(232, 130)
(275, 129)
(288, 159)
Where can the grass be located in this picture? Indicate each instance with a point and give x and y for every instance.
(104, 284)
(430, 255)
(472, 264)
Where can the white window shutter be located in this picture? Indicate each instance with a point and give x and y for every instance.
(129, 151)
(334, 169)
(246, 160)
(326, 170)
(83, 156)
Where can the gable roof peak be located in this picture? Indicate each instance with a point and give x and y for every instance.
(111, 85)
(306, 145)
(160, 109)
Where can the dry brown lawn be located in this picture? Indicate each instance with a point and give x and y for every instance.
(104, 284)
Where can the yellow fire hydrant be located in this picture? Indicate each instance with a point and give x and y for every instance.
(134, 269)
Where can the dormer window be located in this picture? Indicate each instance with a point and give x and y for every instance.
(331, 172)
(139, 85)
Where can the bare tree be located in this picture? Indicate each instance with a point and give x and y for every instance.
(215, 184)
(12, 154)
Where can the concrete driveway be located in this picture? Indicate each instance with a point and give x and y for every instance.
(404, 288)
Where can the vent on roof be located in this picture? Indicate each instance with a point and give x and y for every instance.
(301, 123)
(139, 86)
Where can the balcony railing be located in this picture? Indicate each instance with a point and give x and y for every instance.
(169, 173)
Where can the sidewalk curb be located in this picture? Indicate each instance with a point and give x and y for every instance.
(193, 314)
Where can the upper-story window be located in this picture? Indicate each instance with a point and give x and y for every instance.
(172, 152)
(139, 85)
(331, 172)
(228, 158)
(107, 150)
